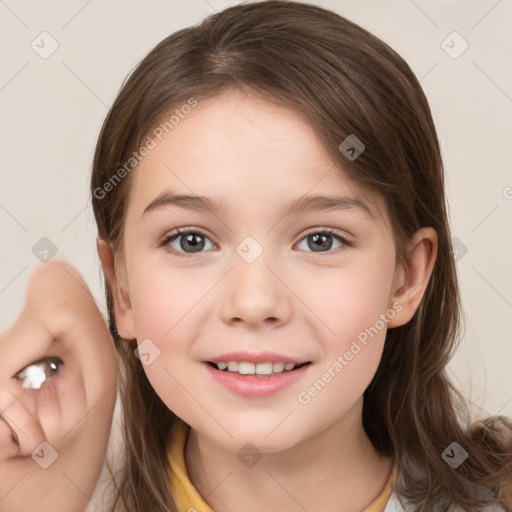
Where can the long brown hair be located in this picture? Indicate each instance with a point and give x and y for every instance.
(344, 81)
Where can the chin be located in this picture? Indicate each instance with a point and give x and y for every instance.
(255, 439)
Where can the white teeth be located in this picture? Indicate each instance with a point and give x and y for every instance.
(248, 368)
(278, 367)
(264, 368)
(233, 366)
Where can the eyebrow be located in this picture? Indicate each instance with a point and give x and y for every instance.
(304, 204)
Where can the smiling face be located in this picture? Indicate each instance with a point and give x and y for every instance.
(270, 270)
(61, 328)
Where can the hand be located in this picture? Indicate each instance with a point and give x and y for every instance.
(58, 385)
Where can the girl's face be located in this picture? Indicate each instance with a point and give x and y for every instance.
(256, 273)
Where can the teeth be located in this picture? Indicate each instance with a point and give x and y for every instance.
(245, 368)
(248, 368)
(233, 366)
(278, 367)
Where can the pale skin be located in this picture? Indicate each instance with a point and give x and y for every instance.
(257, 157)
(71, 411)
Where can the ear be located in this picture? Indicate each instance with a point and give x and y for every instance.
(122, 306)
(410, 283)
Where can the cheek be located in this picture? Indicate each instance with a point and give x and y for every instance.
(351, 303)
(160, 297)
(166, 303)
(350, 299)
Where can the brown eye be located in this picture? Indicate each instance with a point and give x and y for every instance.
(36, 374)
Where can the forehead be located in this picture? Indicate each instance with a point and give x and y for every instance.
(244, 149)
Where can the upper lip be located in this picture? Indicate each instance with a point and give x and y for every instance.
(256, 357)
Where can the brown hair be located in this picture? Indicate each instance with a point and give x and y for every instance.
(343, 80)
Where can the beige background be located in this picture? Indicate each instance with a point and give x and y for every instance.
(52, 109)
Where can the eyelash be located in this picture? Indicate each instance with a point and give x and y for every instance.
(174, 235)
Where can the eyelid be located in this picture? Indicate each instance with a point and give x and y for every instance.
(331, 231)
(181, 231)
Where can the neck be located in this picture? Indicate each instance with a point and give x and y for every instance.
(336, 467)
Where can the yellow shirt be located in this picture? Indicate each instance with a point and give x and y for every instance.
(188, 498)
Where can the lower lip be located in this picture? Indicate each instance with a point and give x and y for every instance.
(251, 386)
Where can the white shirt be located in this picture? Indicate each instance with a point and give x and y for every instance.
(394, 505)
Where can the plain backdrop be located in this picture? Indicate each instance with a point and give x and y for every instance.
(52, 107)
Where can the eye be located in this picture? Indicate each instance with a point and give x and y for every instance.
(36, 374)
(193, 241)
(317, 241)
(190, 242)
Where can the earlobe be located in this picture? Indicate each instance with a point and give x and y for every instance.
(122, 306)
(411, 282)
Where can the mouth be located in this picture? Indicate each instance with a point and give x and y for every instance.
(264, 370)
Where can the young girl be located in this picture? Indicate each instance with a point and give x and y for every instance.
(269, 194)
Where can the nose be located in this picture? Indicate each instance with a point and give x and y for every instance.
(255, 294)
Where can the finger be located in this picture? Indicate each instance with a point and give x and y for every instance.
(9, 446)
(24, 425)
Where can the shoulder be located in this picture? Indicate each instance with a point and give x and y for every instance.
(395, 505)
